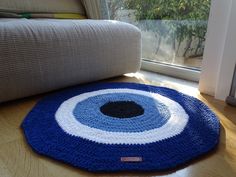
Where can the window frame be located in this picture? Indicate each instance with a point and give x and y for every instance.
(177, 71)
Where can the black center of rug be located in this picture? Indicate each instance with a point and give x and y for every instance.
(122, 109)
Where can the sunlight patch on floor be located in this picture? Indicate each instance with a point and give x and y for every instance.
(187, 87)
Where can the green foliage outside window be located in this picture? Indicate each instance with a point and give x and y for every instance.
(169, 9)
(173, 18)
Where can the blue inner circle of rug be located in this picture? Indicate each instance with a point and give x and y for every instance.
(88, 113)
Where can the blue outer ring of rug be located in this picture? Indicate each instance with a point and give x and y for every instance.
(199, 135)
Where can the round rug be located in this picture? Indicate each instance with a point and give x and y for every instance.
(121, 126)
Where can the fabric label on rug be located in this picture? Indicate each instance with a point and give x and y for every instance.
(131, 159)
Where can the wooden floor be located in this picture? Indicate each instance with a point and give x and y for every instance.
(18, 160)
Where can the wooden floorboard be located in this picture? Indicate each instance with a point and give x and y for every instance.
(17, 159)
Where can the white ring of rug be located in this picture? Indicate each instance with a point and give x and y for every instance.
(174, 126)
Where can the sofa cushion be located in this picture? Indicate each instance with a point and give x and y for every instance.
(52, 6)
(40, 55)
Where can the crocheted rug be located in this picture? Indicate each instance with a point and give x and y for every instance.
(121, 126)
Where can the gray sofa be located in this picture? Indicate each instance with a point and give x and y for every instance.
(41, 55)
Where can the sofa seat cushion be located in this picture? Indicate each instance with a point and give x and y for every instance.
(46, 54)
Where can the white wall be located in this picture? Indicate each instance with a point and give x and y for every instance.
(218, 59)
(228, 58)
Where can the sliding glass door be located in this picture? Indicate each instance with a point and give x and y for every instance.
(173, 31)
